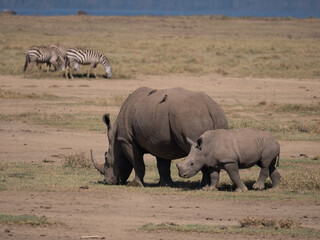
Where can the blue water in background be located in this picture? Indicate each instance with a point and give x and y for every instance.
(98, 12)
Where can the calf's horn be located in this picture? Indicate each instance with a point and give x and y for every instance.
(99, 167)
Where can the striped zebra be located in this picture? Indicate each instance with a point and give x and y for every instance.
(86, 57)
(43, 54)
(63, 51)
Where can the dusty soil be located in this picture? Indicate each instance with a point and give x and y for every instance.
(118, 215)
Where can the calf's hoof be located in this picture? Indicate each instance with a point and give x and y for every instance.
(257, 186)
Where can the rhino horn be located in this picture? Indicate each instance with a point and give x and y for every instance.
(99, 167)
(190, 142)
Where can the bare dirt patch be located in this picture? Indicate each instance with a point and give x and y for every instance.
(117, 214)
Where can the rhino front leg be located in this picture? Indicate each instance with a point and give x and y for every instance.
(139, 169)
(233, 172)
(214, 180)
(206, 181)
(164, 172)
(134, 155)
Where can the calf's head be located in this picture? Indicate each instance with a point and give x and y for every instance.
(116, 168)
(194, 161)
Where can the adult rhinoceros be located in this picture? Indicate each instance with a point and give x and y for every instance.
(157, 122)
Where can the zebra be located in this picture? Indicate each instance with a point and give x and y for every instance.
(43, 54)
(86, 57)
(63, 51)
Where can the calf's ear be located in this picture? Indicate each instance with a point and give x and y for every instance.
(199, 143)
(106, 120)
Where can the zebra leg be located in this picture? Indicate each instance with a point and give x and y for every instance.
(90, 69)
(66, 72)
(38, 65)
(31, 65)
(71, 69)
(95, 70)
(55, 65)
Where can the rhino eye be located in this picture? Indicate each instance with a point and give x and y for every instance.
(191, 164)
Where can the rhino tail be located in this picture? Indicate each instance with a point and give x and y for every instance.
(278, 160)
(99, 167)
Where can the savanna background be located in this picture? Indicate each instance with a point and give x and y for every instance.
(264, 72)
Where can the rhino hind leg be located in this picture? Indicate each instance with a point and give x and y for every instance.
(259, 184)
(233, 171)
(164, 172)
(275, 177)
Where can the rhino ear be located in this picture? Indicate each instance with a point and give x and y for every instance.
(106, 120)
(190, 142)
(199, 143)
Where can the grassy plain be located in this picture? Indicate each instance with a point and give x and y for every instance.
(212, 54)
(270, 47)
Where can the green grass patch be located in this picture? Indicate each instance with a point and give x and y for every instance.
(112, 101)
(295, 183)
(298, 130)
(25, 219)
(16, 95)
(81, 121)
(243, 230)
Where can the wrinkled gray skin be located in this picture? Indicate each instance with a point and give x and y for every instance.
(231, 150)
(157, 122)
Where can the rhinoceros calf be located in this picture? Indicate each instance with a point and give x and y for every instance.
(231, 150)
(157, 122)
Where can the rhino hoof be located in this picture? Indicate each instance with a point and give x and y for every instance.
(166, 184)
(210, 188)
(244, 189)
(274, 189)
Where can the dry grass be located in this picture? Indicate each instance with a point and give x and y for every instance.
(77, 160)
(269, 223)
(172, 45)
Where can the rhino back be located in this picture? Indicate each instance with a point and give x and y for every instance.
(159, 120)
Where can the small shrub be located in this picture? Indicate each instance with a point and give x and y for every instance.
(77, 160)
(301, 181)
(269, 223)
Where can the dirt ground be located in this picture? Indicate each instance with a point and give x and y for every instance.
(120, 214)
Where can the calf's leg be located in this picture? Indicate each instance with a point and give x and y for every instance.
(233, 172)
(214, 180)
(275, 177)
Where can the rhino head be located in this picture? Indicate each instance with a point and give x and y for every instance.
(116, 168)
(194, 161)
